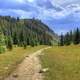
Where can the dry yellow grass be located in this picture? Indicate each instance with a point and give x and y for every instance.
(63, 63)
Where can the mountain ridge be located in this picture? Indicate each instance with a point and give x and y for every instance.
(33, 29)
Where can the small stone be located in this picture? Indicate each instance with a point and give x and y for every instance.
(43, 70)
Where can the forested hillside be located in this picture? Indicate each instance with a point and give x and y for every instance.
(23, 32)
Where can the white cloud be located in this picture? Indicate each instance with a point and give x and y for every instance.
(64, 2)
(17, 12)
(72, 9)
(30, 0)
(20, 1)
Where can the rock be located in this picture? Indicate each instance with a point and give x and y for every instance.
(44, 70)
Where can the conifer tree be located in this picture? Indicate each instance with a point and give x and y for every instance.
(24, 45)
(61, 40)
(67, 40)
(76, 36)
(32, 43)
(71, 36)
(15, 39)
(2, 43)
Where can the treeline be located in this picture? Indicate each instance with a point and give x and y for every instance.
(24, 32)
(72, 37)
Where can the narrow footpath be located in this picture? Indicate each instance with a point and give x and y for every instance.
(29, 68)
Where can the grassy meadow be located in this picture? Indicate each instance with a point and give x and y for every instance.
(10, 59)
(63, 63)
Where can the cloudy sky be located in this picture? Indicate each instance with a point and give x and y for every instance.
(60, 15)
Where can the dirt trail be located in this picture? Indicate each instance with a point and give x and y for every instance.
(28, 69)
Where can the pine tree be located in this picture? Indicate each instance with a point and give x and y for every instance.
(67, 40)
(32, 43)
(76, 36)
(71, 36)
(15, 39)
(21, 38)
(61, 40)
(2, 43)
(24, 45)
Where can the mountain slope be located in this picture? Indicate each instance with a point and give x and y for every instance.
(27, 31)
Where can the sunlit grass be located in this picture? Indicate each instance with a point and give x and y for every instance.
(63, 63)
(10, 59)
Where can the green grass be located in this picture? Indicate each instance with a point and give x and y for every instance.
(63, 63)
(10, 59)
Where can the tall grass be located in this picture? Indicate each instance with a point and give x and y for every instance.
(63, 63)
